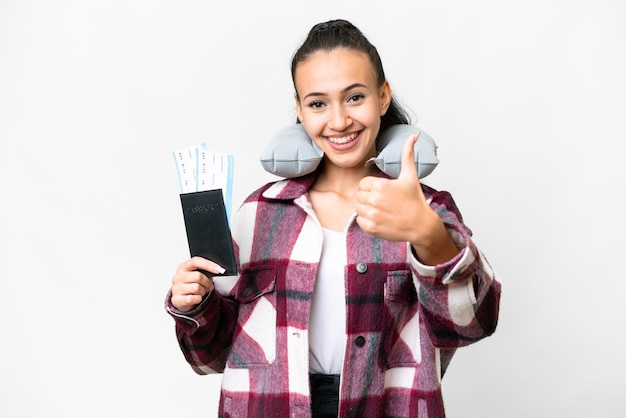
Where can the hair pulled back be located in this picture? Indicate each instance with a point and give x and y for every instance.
(339, 33)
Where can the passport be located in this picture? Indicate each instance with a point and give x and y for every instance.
(208, 230)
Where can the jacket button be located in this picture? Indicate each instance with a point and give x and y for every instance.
(353, 412)
(359, 341)
(361, 268)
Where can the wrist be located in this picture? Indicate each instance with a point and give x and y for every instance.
(437, 247)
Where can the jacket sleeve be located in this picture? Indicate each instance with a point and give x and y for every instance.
(459, 299)
(205, 333)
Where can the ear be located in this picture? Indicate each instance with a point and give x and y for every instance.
(385, 97)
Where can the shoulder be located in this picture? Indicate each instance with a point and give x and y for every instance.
(442, 202)
(437, 196)
(284, 189)
(257, 195)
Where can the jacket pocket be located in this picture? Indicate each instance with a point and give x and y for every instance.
(400, 345)
(254, 342)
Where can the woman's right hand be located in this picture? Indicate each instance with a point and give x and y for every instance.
(189, 285)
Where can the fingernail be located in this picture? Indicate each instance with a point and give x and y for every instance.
(221, 269)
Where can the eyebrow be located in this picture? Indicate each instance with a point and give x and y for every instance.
(350, 87)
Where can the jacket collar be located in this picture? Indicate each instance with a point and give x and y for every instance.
(291, 189)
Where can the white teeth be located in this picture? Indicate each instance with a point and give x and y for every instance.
(343, 139)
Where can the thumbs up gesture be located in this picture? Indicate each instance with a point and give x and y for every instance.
(397, 210)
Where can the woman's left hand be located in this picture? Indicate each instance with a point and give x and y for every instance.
(397, 210)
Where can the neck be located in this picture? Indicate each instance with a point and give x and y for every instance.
(344, 181)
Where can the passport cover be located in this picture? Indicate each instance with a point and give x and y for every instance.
(208, 232)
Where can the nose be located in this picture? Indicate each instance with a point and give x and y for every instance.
(339, 118)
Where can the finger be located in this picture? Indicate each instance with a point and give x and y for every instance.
(193, 277)
(367, 183)
(372, 184)
(192, 288)
(185, 303)
(364, 223)
(408, 170)
(200, 263)
(362, 209)
(190, 280)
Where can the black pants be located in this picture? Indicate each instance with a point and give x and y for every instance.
(324, 395)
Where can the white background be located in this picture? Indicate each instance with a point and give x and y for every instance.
(526, 101)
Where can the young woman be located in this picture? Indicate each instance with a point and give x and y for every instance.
(355, 288)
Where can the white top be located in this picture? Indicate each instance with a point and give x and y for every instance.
(327, 322)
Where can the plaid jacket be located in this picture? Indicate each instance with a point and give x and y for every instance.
(404, 320)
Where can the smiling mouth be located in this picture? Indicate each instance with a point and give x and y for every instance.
(343, 139)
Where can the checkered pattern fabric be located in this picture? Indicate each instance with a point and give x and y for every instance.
(404, 320)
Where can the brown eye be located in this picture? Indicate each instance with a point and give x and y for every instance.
(316, 105)
(356, 97)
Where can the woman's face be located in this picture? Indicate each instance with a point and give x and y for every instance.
(340, 104)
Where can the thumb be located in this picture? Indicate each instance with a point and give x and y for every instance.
(408, 170)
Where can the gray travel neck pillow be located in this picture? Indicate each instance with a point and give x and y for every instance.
(291, 153)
